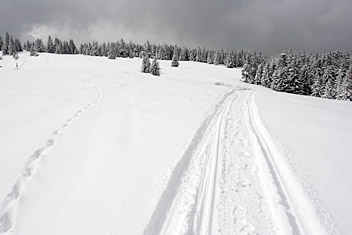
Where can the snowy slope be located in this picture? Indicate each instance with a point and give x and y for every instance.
(93, 146)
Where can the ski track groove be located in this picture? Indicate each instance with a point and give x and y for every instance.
(300, 214)
(229, 180)
(10, 204)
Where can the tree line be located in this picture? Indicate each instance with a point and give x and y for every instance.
(326, 75)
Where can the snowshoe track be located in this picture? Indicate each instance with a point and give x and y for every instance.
(9, 205)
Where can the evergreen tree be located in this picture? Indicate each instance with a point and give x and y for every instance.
(280, 77)
(316, 87)
(145, 64)
(230, 62)
(327, 83)
(329, 90)
(18, 46)
(258, 75)
(155, 69)
(210, 59)
(193, 55)
(33, 51)
(183, 54)
(346, 86)
(266, 77)
(199, 55)
(130, 54)
(221, 56)
(5, 47)
(174, 62)
(246, 73)
(1, 43)
(40, 45)
(217, 58)
(72, 49)
(11, 47)
(50, 45)
(111, 54)
(105, 50)
(95, 49)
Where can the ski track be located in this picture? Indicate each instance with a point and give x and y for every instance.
(232, 180)
(10, 204)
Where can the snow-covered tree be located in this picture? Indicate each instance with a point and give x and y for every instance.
(346, 86)
(174, 62)
(199, 55)
(280, 76)
(111, 53)
(217, 58)
(50, 45)
(230, 60)
(329, 90)
(145, 64)
(5, 47)
(39, 45)
(183, 54)
(1, 43)
(11, 47)
(210, 59)
(18, 46)
(258, 75)
(155, 68)
(193, 55)
(33, 51)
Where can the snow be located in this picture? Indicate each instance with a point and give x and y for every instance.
(93, 146)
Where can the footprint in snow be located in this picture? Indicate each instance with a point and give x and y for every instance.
(248, 230)
(240, 212)
(243, 183)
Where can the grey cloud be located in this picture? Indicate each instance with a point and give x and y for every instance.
(266, 25)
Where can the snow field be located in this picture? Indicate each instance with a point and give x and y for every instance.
(93, 146)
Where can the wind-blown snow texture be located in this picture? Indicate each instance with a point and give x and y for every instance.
(93, 146)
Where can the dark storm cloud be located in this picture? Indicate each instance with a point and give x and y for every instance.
(267, 25)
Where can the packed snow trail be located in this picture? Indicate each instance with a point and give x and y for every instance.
(9, 206)
(229, 182)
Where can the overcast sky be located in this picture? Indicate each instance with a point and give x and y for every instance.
(265, 25)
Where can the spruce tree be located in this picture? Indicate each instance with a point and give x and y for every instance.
(193, 55)
(33, 51)
(18, 46)
(183, 54)
(5, 47)
(111, 54)
(50, 45)
(265, 79)
(174, 62)
(258, 75)
(217, 58)
(12, 49)
(210, 59)
(155, 69)
(229, 62)
(1, 44)
(346, 90)
(145, 64)
(329, 90)
(199, 55)
(280, 76)
(40, 45)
